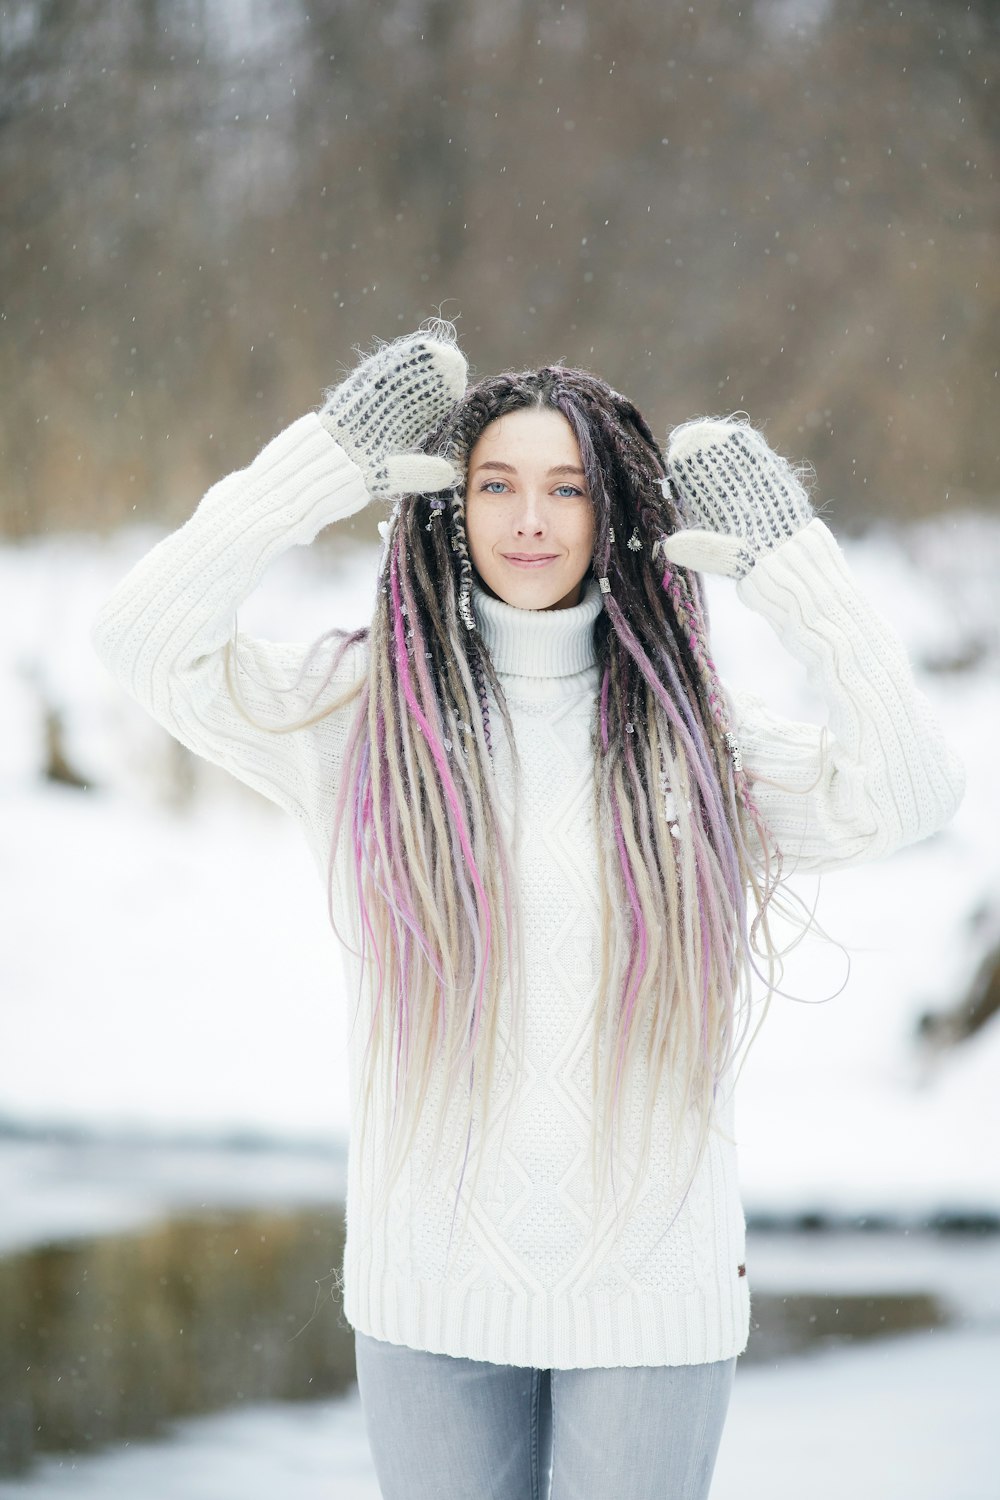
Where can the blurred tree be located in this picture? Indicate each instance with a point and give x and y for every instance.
(788, 207)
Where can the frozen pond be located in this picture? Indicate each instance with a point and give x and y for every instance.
(908, 1418)
(187, 1281)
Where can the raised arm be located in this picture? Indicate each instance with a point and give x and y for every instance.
(164, 632)
(879, 774)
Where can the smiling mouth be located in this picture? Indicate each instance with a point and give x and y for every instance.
(529, 558)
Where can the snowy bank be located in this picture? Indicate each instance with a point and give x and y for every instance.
(168, 968)
(911, 1418)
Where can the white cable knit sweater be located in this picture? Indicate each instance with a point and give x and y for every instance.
(518, 1288)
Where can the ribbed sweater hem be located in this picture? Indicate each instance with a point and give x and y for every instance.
(553, 1332)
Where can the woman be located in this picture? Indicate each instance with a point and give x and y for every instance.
(548, 832)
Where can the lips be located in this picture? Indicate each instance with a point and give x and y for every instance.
(529, 558)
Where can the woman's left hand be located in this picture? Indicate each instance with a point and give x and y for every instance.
(737, 499)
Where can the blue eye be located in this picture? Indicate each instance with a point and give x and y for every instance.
(489, 483)
(571, 487)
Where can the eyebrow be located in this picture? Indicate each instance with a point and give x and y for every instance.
(496, 463)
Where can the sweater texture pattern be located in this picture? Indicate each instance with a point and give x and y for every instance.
(529, 1279)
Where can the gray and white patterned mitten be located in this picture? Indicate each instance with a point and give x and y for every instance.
(738, 500)
(380, 414)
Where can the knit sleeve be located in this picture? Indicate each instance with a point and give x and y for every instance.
(163, 633)
(879, 774)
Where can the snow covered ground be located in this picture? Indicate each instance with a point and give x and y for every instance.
(911, 1418)
(77, 1188)
(168, 968)
(169, 988)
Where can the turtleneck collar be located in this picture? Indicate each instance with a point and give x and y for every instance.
(538, 642)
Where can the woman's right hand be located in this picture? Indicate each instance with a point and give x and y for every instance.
(380, 414)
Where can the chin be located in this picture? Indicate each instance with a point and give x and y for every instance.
(534, 599)
(534, 594)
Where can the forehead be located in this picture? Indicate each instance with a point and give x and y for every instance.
(532, 437)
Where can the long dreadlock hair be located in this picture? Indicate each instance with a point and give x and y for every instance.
(675, 818)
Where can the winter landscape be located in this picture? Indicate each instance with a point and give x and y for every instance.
(782, 207)
(174, 1027)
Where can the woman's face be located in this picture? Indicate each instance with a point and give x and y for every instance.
(528, 512)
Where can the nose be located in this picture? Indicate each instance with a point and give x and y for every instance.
(530, 519)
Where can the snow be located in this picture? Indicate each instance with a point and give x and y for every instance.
(314, 1451)
(78, 1188)
(908, 1418)
(173, 1029)
(840, 1108)
(169, 970)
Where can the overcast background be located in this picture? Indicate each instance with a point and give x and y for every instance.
(786, 206)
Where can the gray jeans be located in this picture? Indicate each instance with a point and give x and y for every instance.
(464, 1429)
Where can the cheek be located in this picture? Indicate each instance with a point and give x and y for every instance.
(587, 533)
(471, 524)
(476, 529)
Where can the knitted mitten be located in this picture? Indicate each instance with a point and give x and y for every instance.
(383, 410)
(737, 498)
